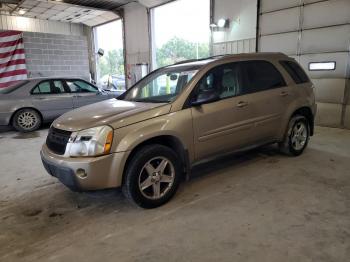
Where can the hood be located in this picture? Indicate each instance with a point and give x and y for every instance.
(113, 112)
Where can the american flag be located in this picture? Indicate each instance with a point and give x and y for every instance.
(12, 58)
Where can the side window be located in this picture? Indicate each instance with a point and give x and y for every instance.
(295, 71)
(225, 79)
(58, 87)
(261, 76)
(42, 88)
(77, 86)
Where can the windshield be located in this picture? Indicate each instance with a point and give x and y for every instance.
(161, 86)
(12, 87)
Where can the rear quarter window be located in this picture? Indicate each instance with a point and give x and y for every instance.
(261, 75)
(295, 71)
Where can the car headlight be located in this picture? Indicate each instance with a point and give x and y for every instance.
(95, 141)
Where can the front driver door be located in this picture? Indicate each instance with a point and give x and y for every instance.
(84, 93)
(227, 124)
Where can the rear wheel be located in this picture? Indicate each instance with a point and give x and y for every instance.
(152, 177)
(297, 136)
(26, 120)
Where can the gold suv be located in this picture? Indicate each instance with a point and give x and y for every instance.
(149, 138)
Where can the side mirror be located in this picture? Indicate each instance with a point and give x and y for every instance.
(205, 97)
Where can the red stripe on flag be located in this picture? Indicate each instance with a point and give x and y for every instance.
(9, 33)
(11, 43)
(2, 85)
(14, 73)
(13, 62)
(15, 52)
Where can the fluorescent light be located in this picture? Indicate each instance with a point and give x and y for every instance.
(322, 66)
(22, 11)
(222, 22)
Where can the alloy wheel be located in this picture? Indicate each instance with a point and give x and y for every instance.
(156, 178)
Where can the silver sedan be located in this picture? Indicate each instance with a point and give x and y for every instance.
(29, 103)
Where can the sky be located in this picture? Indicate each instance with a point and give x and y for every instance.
(187, 19)
(110, 36)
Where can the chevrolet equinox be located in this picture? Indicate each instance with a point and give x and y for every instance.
(149, 138)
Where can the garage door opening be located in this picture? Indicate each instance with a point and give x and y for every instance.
(110, 66)
(180, 31)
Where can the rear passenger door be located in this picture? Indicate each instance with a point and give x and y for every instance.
(51, 98)
(268, 97)
(84, 93)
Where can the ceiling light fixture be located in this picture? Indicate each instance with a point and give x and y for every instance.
(223, 23)
(22, 11)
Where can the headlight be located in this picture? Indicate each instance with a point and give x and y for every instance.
(95, 141)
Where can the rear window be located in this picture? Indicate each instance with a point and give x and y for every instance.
(295, 71)
(14, 86)
(261, 75)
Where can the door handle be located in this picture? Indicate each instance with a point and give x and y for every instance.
(242, 104)
(284, 93)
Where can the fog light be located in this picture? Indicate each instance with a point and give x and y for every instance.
(81, 173)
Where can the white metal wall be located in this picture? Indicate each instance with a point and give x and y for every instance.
(313, 31)
(235, 47)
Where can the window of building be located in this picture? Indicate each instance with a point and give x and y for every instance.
(180, 31)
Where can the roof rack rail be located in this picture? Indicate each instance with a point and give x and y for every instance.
(200, 59)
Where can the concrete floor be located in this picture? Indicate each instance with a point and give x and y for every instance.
(257, 206)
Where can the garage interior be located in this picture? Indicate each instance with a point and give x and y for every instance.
(253, 206)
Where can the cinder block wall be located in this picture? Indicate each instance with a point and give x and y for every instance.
(56, 55)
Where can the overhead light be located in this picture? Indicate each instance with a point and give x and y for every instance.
(223, 23)
(322, 66)
(213, 25)
(22, 11)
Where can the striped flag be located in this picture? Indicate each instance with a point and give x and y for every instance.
(12, 58)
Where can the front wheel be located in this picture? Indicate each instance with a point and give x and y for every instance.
(152, 177)
(297, 136)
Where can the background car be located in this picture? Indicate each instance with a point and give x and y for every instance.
(28, 103)
(114, 84)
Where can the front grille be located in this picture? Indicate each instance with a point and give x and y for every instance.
(57, 140)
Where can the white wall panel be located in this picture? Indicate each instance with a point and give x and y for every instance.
(332, 13)
(235, 47)
(271, 5)
(328, 39)
(286, 43)
(329, 114)
(329, 90)
(290, 18)
(323, 35)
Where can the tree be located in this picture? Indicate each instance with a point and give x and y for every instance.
(112, 63)
(177, 49)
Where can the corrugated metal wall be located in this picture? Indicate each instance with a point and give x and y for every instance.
(39, 26)
(235, 47)
(314, 31)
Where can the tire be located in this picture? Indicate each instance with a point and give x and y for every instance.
(157, 169)
(297, 136)
(26, 120)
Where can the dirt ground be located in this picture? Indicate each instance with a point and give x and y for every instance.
(256, 206)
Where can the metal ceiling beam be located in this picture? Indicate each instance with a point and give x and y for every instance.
(11, 2)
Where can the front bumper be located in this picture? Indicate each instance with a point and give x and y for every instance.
(100, 172)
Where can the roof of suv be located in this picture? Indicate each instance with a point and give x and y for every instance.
(205, 61)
